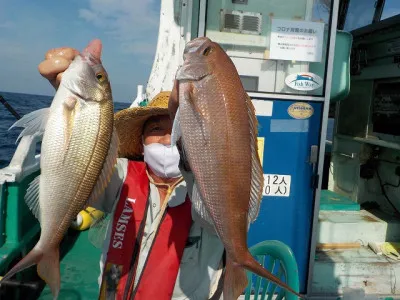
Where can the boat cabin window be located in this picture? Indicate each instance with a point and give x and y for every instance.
(360, 13)
(391, 8)
(278, 46)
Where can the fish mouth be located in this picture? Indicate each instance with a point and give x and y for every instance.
(73, 77)
(194, 66)
(90, 59)
(196, 45)
(192, 72)
(92, 53)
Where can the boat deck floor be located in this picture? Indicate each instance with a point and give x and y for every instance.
(79, 269)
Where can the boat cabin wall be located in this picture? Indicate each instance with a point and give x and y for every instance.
(178, 25)
(289, 91)
(365, 163)
(248, 32)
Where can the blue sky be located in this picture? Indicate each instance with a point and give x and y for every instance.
(127, 28)
(392, 8)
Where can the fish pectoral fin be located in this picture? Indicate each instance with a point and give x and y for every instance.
(235, 280)
(33, 123)
(107, 171)
(70, 102)
(32, 197)
(71, 105)
(257, 176)
(48, 269)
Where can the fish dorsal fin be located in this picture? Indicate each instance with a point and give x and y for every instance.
(107, 171)
(257, 177)
(32, 197)
(33, 123)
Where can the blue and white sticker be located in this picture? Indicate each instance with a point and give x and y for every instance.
(304, 81)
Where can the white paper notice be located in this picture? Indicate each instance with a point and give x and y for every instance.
(296, 40)
(276, 185)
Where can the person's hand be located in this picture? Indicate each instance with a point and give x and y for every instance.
(55, 63)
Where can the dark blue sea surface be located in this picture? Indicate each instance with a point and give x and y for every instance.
(23, 104)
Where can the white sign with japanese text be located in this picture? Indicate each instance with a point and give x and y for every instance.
(296, 40)
(276, 185)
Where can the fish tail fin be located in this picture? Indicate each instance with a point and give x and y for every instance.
(252, 265)
(235, 280)
(32, 258)
(47, 265)
(48, 269)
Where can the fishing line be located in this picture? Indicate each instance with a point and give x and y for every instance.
(9, 108)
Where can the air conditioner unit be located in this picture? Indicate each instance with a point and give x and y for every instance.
(236, 21)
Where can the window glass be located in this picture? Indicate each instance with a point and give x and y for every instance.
(391, 8)
(329, 129)
(277, 45)
(359, 14)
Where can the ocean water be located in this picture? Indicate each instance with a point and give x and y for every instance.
(23, 104)
(26, 103)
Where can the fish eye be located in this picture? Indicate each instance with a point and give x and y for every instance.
(207, 51)
(100, 77)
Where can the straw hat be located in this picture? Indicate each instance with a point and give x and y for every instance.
(129, 124)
